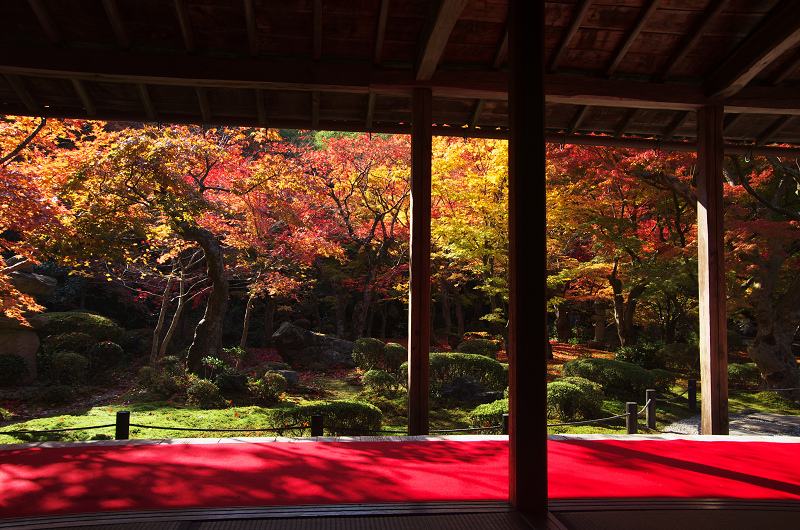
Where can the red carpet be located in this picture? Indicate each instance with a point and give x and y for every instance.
(152, 477)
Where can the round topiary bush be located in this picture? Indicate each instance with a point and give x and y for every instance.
(205, 395)
(106, 355)
(593, 392)
(645, 354)
(568, 401)
(681, 356)
(369, 353)
(488, 414)
(379, 380)
(486, 347)
(340, 418)
(172, 365)
(13, 369)
(231, 380)
(269, 388)
(100, 328)
(68, 367)
(445, 367)
(394, 355)
(615, 377)
(57, 395)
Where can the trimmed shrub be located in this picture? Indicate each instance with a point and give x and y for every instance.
(663, 380)
(13, 369)
(172, 365)
(57, 395)
(445, 367)
(368, 353)
(106, 355)
(230, 380)
(205, 395)
(68, 367)
(163, 386)
(395, 355)
(486, 347)
(100, 328)
(645, 354)
(269, 388)
(772, 399)
(616, 377)
(593, 393)
(137, 342)
(346, 418)
(488, 414)
(146, 375)
(78, 342)
(681, 356)
(567, 401)
(380, 380)
(744, 375)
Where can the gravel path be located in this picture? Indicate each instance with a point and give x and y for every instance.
(745, 424)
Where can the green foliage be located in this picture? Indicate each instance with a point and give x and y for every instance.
(211, 366)
(76, 341)
(486, 347)
(238, 355)
(270, 388)
(13, 369)
(445, 367)
(137, 342)
(488, 414)
(645, 354)
(744, 375)
(347, 418)
(100, 328)
(231, 380)
(57, 395)
(68, 367)
(380, 380)
(368, 353)
(663, 380)
(684, 357)
(146, 375)
(616, 377)
(593, 394)
(163, 385)
(172, 365)
(394, 355)
(205, 394)
(773, 400)
(106, 355)
(568, 401)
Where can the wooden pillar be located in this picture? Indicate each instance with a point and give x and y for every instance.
(419, 300)
(711, 273)
(527, 262)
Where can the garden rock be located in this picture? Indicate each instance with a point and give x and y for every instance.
(468, 388)
(292, 378)
(302, 347)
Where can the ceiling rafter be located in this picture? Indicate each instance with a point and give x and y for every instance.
(86, 99)
(147, 103)
(476, 113)
(380, 32)
(583, 110)
(787, 71)
(186, 26)
(117, 26)
(317, 31)
(252, 29)
(692, 36)
(568, 35)
(437, 32)
(315, 97)
(730, 121)
(18, 85)
(46, 21)
(205, 107)
(675, 125)
(261, 110)
(625, 125)
(779, 31)
(502, 51)
(644, 16)
(370, 111)
(777, 126)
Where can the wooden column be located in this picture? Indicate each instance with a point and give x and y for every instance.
(527, 262)
(419, 300)
(711, 273)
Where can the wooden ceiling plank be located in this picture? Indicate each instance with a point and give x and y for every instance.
(475, 115)
(775, 35)
(644, 16)
(692, 36)
(261, 110)
(583, 110)
(252, 29)
(790, 69)
(116, 24)
(317, 38)
(777, 126)
(147, 103)
(502, 51)
(730, 122)
(380, 33)
(567, 37)
(86, 99)
(186, 25)
(434, 39)
(205, 107)
(370, 111)
(675, 125)
(18, 85)
(315, 96)
(629, 118)
(43, 15)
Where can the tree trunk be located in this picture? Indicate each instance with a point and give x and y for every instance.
(208, 333)
(248, 313)
(384, 318)
(459, 310)
(448, 323)
(162, 315)
(563, 329)
(269, 320)
(624, 311)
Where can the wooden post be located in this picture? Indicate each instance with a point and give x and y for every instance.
(632, 418)
(711, 273)
(692, 390)
(123, 425)
(419, 300)
(650, 418)
(527, 334)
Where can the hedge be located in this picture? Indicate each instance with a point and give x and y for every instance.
(488, 414)
(346, 418)
(618, 378)
(445, 367)
(100, 328)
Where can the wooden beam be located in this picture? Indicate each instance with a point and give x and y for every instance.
(420, 265)
(370, 111)
(502, 51)
(644, 16)
(205, 107)
(317, 31)
(691, 37)
(787, 71)
(86, 99)
(380, 32)
(18, 85)
(527, 228)
(46, 21)
(779, 32)
(729, 122)
(186, 25)
(116, 24)
(566, 38)
(315, 109)
(261, 111)
(476, 113)
(147, 103)
(437, 32)
(777, 126)
(711, 272)
(252, 28)
(629, 118)
(675, 125)
(583, 110)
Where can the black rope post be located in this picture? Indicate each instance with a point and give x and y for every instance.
(505, 423)
(632, 418)
(650, 396)
(693, 395)
(123, 425)
(316, 425)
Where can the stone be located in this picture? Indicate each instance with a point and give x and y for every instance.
(33, 284)
(291, 376)
(468, 388)
(301, 347)
(23, 343)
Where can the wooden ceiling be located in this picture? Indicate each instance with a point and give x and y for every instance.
(622, 68)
